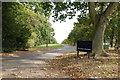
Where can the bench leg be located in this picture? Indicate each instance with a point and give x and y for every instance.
(88, 54)
(94, 56)
(78, 54)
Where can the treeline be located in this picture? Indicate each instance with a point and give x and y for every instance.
(23, 28)
(83, 31)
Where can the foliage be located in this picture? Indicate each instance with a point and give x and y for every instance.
(86, 30)
(43, 8)
(82, 30)
(15, 31)
(112, 31)
(66, 41)
(63, 10)
(22, 28)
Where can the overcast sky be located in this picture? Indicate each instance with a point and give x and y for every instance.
(62, 29)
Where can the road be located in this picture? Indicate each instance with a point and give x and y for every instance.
(32, 65)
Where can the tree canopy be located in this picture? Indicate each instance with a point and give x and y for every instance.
(23, 28)
(99, 13)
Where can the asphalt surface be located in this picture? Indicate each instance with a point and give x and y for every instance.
(33, 65)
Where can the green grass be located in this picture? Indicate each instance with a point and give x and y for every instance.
(51, 46)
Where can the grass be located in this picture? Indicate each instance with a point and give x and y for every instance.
(50, 46)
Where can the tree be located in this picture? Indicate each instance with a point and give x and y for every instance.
(111, 33)
(42, 8)
(66, 41)
(82, 30)
(23, 28)
(100, 22)
(14, 26)
(99, 13)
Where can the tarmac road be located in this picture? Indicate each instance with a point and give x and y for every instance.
(31, 65)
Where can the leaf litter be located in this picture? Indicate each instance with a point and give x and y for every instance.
(102, 67)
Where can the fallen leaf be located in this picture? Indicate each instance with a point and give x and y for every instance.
(56, 74)
(33, 71)
(14, 74)
(63, 71)
(44, 68)
(19, 77)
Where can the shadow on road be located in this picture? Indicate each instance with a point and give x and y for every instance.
(30, 61)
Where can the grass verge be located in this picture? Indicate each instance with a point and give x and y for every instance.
(50, 46)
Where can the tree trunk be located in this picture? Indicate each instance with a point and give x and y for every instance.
(98, 38)
(100, 22)
(74, 43)
(111, 41)
(112, 37)
(46, 43)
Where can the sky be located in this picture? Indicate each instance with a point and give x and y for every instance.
(62, 29)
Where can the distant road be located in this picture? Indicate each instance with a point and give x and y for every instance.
(24, 63)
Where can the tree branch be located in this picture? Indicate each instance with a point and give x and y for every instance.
(110, 8)
(91, 6)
